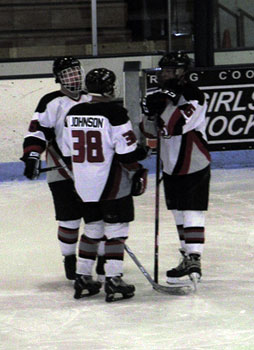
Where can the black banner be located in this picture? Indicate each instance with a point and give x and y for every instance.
(229, 92)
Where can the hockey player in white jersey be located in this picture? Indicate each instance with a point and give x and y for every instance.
(45, 134)
(100, 140)
(178, 109)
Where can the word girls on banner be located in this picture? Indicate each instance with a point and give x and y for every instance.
(229, 92)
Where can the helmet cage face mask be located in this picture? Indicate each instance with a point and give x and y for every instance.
(72, 78)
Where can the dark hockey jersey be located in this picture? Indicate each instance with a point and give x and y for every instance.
(100, 139)
(184, 148)
(46, 127)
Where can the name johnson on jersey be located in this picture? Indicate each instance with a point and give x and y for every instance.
(89, 122)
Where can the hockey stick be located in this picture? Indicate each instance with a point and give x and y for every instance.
(157, 209)
(44, 170)
(174, 290)
(60, 161)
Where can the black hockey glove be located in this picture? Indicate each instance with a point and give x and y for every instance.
(32, 165)
(153, 104)
(139, 182)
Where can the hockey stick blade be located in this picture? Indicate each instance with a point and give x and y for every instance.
(175, 290)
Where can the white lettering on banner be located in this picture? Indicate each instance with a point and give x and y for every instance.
(236, 74)
(236, 106)
(224, 99)
(212, 124)
(193, 77)
(231, 125)
(249, 124)
(221, 124)
(230, 105)
(250, 105)
(230, 100)
(224, 75)
(153, 79)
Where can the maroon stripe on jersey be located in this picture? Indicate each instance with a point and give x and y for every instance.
(173, 121)
(199, 141)
(187, 156)
(113, 183)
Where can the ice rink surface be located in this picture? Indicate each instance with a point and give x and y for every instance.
(38, 311)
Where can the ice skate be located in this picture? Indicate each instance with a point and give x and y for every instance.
(70, 266)
(87, 284)
(189, 270)
(115, 285)
(100, 268)
(174, 275)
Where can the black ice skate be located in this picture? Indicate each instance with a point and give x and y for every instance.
(87, 285)
(115, 285)
(189, 266)
(70, 266)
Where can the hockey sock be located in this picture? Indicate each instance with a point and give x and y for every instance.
(194, 239)
(68, 238)
(194, 231)
(114, 254)
(180, 231)
(88, 247)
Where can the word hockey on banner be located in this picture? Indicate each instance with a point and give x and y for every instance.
(229, 91)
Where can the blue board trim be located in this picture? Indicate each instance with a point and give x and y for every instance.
(13, 171)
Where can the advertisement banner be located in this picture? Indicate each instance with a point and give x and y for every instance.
(229, 91)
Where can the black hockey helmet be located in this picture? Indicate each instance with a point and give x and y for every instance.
(175, 60)
(101, 81)
(62, 63)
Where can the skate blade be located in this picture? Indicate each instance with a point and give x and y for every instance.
(195, 278)
(176, 282)
(79, 293)
(112, 297)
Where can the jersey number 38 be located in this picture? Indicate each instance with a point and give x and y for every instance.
(88, 146)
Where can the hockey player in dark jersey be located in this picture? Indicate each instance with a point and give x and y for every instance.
(178, 109)
(100, 140)
(45, 134)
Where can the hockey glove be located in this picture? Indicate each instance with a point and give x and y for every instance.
(139, 182)
(32, 165)
(153, 104)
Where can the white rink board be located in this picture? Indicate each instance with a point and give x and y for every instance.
(18, 100)
(38, 311)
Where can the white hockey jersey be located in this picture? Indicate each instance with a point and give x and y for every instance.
(46, 127)
(99, 138)
(184, 148)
